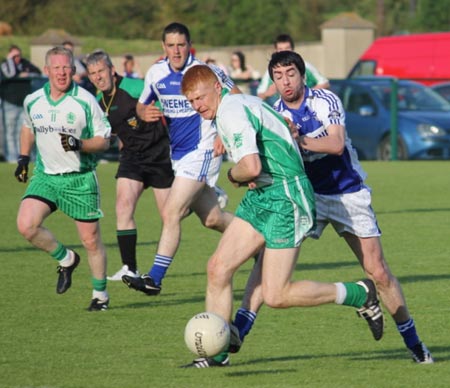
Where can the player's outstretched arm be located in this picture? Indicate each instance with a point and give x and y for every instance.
(149, 113)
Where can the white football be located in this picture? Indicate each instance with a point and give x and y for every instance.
(207, 334)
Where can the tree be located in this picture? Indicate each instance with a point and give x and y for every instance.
(433, 15)
(218, 22)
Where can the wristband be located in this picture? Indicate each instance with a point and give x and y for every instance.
(231, 179)
(23, 159)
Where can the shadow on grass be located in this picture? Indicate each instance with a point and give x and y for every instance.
(168, 299)
(28, 248)
(440, 354)
(413, 211)
(261, 372)
(172, 298)
(325, 266)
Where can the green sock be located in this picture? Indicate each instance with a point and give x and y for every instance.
(99, 284)
(59, 253)
(221, 357)
(356, 295)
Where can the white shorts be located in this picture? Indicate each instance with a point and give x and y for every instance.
(350, 213)
(199, 165)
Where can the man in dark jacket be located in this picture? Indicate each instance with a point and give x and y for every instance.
(15, 85)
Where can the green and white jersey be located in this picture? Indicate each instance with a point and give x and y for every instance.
(247, 126)
(77, 113)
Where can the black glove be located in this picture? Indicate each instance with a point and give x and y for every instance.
(70, 143)
(22, 168)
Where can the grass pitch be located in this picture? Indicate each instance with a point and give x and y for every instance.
(49, 340)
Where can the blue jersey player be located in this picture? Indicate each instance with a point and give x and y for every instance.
(195, 151)
(342, 198)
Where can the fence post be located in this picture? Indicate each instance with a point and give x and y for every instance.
(394, 125)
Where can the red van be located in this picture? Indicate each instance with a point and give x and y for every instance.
(423, 58)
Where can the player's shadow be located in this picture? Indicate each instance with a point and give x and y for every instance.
(440, 354)
(163, 300)
(174, 299)
(77, 246)
(325, 266)
(413, 211)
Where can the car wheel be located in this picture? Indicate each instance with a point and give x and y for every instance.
(384, 151)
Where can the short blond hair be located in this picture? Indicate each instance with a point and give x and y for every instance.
(59, 50)
(195, 75)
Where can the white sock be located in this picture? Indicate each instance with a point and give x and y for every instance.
(68, 260)
(341, 293)
(100, 295)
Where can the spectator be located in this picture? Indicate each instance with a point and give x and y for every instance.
(2, 131)
(15, 85)
(80, 76)
(131, 67)
(17, 66)
(211, 61)
(241, 73)
(314, 79)
(80, 69)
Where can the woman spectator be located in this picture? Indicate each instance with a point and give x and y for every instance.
(241, 73)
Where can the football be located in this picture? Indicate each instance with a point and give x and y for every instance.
(207, 334)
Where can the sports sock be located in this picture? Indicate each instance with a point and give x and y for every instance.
(408, 332)
(341, 293)
(244, 320)
(127, 240)
(159, 268)
(100, 295)
(221, 357)
(354, 294)
(98, 284)
(63, 255)
(59, 253)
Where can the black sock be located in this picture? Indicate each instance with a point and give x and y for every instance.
(127, 240)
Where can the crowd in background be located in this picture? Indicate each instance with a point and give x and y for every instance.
(19, 77)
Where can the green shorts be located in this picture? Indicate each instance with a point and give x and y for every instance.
(284, 213)
(75, 194)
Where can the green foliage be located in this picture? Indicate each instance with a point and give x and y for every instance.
(433, 15)
(112, 46)
(218, 22)
(49, 340)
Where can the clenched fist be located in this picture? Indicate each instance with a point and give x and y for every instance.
(70, 143)
(22, 168)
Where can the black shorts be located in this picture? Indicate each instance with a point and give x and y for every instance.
(152, 174)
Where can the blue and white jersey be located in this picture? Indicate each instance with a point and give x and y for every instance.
(329, 174)
(187, 130)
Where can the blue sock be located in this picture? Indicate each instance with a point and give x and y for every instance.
(408, 332)
(244, 320)
(159, 268)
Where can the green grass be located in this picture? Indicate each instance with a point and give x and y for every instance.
(49, 340)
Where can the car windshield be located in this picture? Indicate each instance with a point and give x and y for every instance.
(411, 97)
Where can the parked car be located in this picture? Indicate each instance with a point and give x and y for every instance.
(443, 89)
(423, 119)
